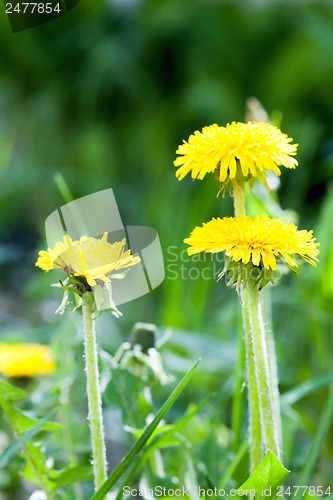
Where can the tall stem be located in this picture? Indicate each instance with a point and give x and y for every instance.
(267, 316)
(238, 395)
(94, 393)
(252, 390)
(255, 440)
(264, 407)
(269, 427)
(239, 199)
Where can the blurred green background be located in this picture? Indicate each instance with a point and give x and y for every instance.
(104, 95)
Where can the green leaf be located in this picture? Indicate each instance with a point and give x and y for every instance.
(140, 443)
(22, 422)
(269, 474)
(8, 392)
(76, 474)
(124, 390)
(17, 446)
(35, 469)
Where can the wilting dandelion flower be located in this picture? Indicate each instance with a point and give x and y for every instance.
(90, 262)
(89, 258)
(26, 360)
(236, 152)
(260, 240)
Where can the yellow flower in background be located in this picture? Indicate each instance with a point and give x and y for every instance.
(26, 360)
(237, 151)
(260, 240)
(91, 258)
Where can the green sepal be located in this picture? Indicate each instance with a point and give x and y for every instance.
(104, 300)
(64, 303)
(238, 273)
(70, 288)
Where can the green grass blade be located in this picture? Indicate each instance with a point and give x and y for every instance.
(156, 444)
(323, 427)
(67, 195)
(233, 466)
(63, 187)
(139, 444)
(303, 390)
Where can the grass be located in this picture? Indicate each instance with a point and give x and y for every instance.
(103, 98)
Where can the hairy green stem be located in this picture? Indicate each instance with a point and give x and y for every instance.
(238, 395)
(261, 366)
(94, 393)
(252, 389)
(239, 199)
(255, 437)
(269, 425)
(265, 296)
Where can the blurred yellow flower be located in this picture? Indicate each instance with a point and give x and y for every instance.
(261, 240)
(91, 258)
(26, 360)
(237, 151)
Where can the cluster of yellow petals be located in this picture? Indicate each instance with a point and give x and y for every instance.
(261, 240)
(93, 258)
(26, 360)
(238, 149)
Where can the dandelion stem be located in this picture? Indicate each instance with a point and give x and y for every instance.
(94, 393)
(269, 426)
(273, 368)
(252, 388)
(239, 199)
(238, 395)
(261, 369)
(253, 398)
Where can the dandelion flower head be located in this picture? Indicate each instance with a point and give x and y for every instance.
(260, 240)
(236, 152)
(26, 360)
(90, 258)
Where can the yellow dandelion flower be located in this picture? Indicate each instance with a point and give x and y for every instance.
(91, 258)
(237, 151)
(26, 360)
(47, 258)
(260, 240)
